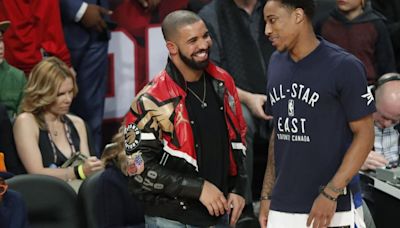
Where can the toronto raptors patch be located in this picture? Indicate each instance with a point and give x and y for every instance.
(132, 137)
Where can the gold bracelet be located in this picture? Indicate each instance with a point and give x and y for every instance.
(336, 190)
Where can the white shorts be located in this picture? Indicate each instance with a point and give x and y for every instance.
(277, 219)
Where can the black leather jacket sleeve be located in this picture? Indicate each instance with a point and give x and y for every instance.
(161, 179)
(175, 178)
(240, 181)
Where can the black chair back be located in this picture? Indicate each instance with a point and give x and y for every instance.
(87, 199)
(51, 202)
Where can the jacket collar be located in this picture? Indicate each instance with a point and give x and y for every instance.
(175, 74)
(178, 78)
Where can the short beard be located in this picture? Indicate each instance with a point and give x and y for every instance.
(193, 64)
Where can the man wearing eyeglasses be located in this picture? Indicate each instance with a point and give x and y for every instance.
(386, 147)
(13, 211)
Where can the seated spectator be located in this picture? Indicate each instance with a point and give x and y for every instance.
(13, 212)
(46, 136)
(12, 80)
(7, 145)
(116, 207)
(356, 27)
(386, 148)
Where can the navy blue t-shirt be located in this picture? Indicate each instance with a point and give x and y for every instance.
(313, 101)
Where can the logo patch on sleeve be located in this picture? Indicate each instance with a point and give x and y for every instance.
(368, 96)
(135, 164)
(132, 137)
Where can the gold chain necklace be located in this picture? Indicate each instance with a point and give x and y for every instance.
(202, 101)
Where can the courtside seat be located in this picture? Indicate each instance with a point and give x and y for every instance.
(87, 200)
(51, 202)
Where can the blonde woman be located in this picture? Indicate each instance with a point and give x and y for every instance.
(45, 134)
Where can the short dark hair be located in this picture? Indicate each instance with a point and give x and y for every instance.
(308, 6)
(177, 19)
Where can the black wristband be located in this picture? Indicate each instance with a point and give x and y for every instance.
(329, 197)
(76, 172)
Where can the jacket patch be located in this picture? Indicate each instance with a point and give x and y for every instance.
(132, 137)
(135, 164)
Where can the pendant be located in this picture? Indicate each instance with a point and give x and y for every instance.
(204, 105)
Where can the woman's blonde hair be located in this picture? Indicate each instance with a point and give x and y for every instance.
(114, 153)
(42, 87)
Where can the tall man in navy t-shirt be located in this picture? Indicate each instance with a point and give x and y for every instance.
(323, 127)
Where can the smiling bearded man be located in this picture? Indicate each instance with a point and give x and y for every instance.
(191, 130)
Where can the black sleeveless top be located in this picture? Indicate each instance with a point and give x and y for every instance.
(47, 151)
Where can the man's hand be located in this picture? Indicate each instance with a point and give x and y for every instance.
(254, 102)
(264, 211)
(237, 203)
(149, 4)
(212, 198)
(321, 212)
(92, 18)
(374, 161)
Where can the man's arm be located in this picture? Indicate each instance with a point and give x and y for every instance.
(269, 177)
(323, 208)
(163, 179)
(254, 102)
(268, 184)
(89, 15)
(69, 9)
(159, 179)
(363, 141)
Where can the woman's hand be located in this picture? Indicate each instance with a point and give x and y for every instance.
(92, 165)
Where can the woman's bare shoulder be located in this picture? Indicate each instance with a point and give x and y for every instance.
(26, 118)
(76, 120)
(25, 123)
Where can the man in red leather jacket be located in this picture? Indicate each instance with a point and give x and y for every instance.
(187, 127)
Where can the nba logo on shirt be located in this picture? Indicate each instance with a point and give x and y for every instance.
(291, 107)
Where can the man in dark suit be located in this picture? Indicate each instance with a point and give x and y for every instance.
(87, 35)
